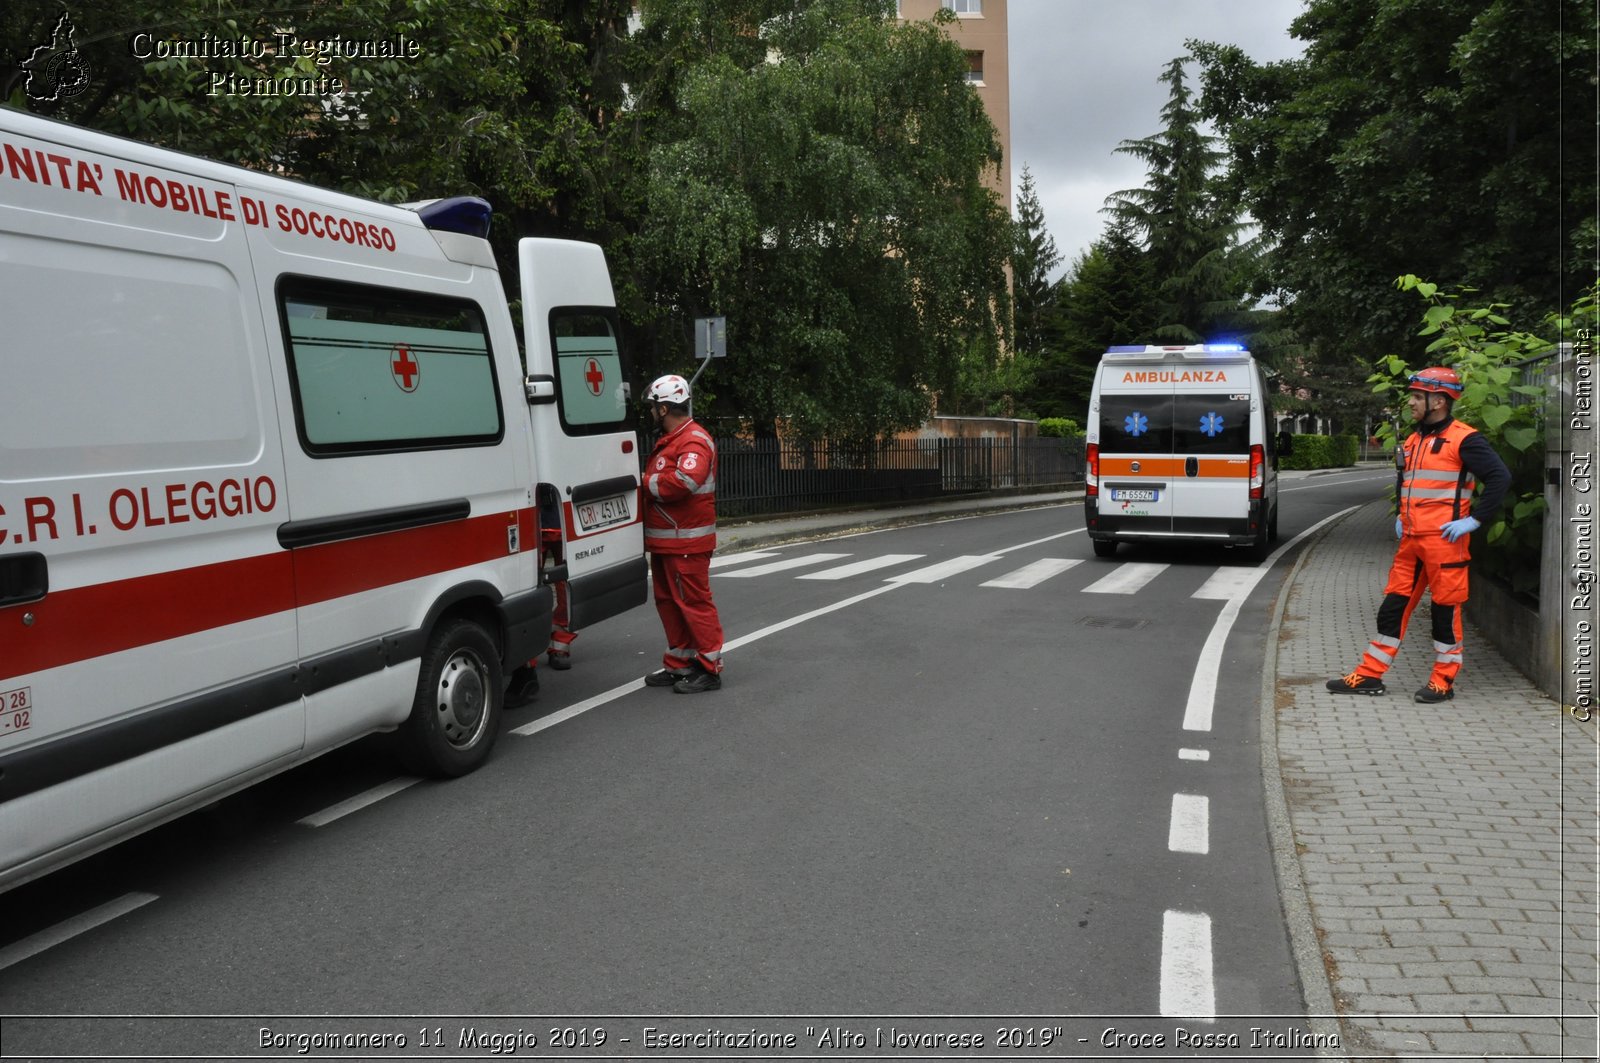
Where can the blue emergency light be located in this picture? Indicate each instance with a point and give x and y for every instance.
(459, 214)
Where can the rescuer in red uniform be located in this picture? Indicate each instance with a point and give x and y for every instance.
(1436, 469)
(680, 532)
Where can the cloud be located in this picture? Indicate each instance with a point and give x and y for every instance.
(1084, 79)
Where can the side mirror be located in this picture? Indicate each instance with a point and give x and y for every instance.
(541, 390)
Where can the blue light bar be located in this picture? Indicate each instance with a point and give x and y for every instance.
(1219, 347)
(1125, 350)
(459, 214)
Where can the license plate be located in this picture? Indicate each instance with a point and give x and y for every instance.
(1134, 494)
(603, 512)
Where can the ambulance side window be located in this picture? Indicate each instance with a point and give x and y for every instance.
(1136, 424)
(590, 389)
(1212, 424)
(382, 369)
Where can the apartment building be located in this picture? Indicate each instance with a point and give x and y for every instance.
(980, 29)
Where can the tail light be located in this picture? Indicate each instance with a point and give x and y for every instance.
(1258, 465)
(1091, 472)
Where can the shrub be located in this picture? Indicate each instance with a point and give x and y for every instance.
(1320, 452)
(1059, 426)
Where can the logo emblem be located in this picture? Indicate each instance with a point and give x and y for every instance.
(594, 376)
(407, 373)
(1136, 424)
(1211, 424)
(56, 71)
(690, 461)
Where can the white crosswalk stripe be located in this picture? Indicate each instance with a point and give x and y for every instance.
(739, 559)
(856, 568)
(781, 566)
(1224, 583)
(944, 569)
(1130, 578)
(1029, 576)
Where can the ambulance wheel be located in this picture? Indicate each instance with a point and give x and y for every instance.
(1272, 526)
(456, 715)
(1104, 547)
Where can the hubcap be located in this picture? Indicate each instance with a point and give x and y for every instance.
(463, 690)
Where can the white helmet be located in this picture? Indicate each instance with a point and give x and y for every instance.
(670, 388)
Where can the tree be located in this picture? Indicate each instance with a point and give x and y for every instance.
(819, 182)
(1107, 297)
(1189, 230)
(1033, 258)
(1452, 141)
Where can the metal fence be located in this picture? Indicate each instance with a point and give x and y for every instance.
(778, 476)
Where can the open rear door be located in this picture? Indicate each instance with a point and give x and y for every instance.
(586, 450)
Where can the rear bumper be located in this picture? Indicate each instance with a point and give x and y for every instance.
(1233, 531)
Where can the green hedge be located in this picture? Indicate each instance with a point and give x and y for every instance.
(1321, 452)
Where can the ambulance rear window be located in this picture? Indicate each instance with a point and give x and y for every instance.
(1136, 424)
(1211, 424)
(380, 369)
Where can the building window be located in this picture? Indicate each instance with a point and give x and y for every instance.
(965, 7)
(974, 68)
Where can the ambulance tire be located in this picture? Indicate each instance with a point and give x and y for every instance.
(1272, 526)
(456, 715)
(1105, 547)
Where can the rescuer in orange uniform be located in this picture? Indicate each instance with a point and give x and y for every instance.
(1436, 469)
(680, 532)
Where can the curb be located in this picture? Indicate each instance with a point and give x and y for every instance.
(1315, 986)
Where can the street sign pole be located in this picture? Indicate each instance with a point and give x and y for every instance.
(710, 341)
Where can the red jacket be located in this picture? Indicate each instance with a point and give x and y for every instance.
(680, 493)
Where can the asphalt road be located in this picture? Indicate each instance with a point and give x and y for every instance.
(930, 787)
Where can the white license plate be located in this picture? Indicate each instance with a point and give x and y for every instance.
(1134, 494)
(603, 512)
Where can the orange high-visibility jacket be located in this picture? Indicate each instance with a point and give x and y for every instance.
(1436, 471)
(680, 493)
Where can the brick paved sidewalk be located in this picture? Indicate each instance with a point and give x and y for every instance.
(1448, 852)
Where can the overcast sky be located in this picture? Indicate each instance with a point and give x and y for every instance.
(1083, 79)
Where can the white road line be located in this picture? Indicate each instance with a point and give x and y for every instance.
(68, 929)
(1331, 483)
(944, 569)
(739, 559)
(782, 566)
(1203, 689)
(855, 568)
(1187, 985)
(578, 708)
(1032, 575)
(1129, 578)
(616, 692)
(1046, 539)
(359, 801)
(1190, 828)
(1194, 754)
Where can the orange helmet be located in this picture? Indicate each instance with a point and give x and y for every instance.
(1437, 379)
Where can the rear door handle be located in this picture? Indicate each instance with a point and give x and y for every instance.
(1191, 466)
(23, 578)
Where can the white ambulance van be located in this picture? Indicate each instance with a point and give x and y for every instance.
(1180, 448)
(271, 476)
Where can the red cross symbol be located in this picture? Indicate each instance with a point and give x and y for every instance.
(407, 373)
(594, 376)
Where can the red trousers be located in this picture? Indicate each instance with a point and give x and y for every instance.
(1422, 563)
(682, 585)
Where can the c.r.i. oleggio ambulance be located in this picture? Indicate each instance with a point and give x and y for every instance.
(1180, 448)
(271, 478)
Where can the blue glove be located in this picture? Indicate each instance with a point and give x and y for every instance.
(1457, 528)
(1397, 532)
